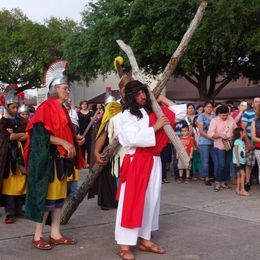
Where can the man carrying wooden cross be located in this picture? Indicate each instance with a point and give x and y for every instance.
(143, 139)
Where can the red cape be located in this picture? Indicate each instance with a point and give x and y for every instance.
(135, 172)
(56, 121)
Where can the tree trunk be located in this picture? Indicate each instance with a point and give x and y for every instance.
(203, 87)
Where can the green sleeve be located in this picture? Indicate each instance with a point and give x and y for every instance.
(39, 169)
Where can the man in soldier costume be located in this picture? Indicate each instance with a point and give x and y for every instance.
(12, 176)
(50, 154)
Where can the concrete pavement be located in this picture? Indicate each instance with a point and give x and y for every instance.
(195, 223)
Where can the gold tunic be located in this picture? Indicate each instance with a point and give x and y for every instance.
(15, 184)
(57, 189)
(75, 177)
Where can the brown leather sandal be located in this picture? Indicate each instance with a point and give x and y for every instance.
(9, 219)
(152, 248)
(62, 241)
(126, 254)
(41, 244)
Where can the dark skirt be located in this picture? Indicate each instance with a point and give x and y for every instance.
(105, 187)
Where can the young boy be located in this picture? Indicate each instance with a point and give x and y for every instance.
(188, 143)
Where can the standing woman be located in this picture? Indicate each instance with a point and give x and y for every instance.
(50, 155)
(85, 115)
(190, 116)
(205, 142)
(255, 134)
(221, 131)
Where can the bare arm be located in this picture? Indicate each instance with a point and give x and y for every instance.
(201, 130)
(244, 125)
(80, 139)
(24, 137)
(191, 152)
(236, 154)
(67, 146)
(253, 133)
(196, 144)
(249, 146)
(160, 123)
(16, 136)
(238, 117)
(99, 144)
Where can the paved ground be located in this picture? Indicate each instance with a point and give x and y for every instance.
(196, 223)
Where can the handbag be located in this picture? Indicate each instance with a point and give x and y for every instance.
(227, 144)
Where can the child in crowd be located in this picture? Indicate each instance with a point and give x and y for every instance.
(188, 144)
(196, 165)
(239, 159)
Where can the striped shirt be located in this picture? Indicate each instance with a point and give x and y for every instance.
(248, 117)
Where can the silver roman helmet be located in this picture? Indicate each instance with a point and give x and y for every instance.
(55, 75)
(10, 95)
(23, 108)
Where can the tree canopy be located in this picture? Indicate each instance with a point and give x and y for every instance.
(225, 46)
(27, 48)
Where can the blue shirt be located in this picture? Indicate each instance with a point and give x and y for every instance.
(241, 151)
(248, 117)
(206, 122)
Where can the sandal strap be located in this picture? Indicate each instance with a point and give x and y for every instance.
(41, 244)
(154, 248)
(9, 219)
(62, 241)
(126, 254)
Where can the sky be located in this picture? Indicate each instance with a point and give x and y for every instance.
(38, 10)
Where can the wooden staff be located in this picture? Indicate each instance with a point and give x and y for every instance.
(90, 123)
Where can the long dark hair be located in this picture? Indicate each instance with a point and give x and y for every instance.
(223, 109)
(236, 133)
(131, 90)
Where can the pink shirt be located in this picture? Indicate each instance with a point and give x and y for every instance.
(223, 128)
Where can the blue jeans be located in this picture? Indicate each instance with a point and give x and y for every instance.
(50, 205)
(206, 151)
(222, 164)
(72, 187)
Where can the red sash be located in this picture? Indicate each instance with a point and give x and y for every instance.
(135, 173)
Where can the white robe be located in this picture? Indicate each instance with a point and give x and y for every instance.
(134, 132)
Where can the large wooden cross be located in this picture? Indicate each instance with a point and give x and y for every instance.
(109, 151)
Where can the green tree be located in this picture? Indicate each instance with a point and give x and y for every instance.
(226, 45)
(27, 48)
